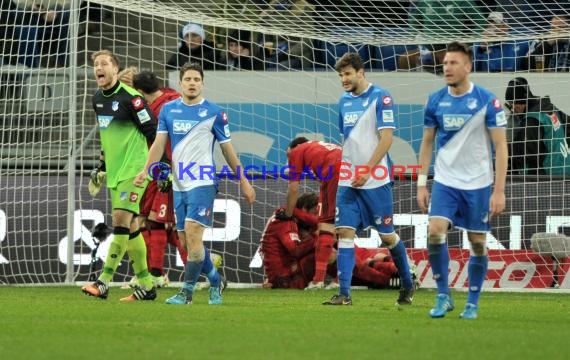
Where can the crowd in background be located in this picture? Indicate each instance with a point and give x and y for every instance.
(34, 29)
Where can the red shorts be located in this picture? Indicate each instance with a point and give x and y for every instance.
(327, 200)
(160, 203)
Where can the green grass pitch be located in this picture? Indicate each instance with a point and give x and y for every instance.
(62, 323)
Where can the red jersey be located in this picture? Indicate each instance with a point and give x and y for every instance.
(167, 96)
(318, 156)
(281, 246)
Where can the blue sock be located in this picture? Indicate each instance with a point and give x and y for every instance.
(476, 270)
(400, 258)
(191, 275)
(439, 261)
(345, 264)
(209, 269)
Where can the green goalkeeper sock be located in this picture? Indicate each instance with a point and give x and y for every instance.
(117, 250)
(136, 249)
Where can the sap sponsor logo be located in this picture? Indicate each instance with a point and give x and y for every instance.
(350, 118)
(454, 122)
(115, 105)
(388, 116)
(472, 103)
(143, 116)
(182, 126)
(444, 104)
(104, 121)
(501, 119)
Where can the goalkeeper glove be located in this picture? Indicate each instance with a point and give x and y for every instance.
(96, 179)
(164, 185)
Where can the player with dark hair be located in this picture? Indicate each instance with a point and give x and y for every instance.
(468, 122)
(193, 125)
(125, 125)
(287, 245)
(322, 160)
(367, 121)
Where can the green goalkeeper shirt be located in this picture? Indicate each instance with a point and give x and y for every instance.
(126, 127)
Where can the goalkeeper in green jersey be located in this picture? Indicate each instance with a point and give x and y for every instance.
(126, 124)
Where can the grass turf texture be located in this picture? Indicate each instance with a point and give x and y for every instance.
(62, 323)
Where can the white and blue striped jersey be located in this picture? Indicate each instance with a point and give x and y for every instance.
(193, 130)
(464, 158)
(360, 118)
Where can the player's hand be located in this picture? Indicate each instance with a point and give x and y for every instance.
(423, 199)
(96, 178)
(360, 180)
(497, 203)
(248, 192)
(140, 179)
(164, 185)
(281, 215)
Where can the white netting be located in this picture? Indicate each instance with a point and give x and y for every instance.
(47, 113)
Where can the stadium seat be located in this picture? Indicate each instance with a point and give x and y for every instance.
(386, 56)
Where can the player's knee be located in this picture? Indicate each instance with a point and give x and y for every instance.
(479, 248)
(436, 239)
(197, 255)
(389, 239)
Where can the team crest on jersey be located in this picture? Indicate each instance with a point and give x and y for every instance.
(123, 196)
(202, 211)
(294, 236)
(133, 197)
(365, 102)
(137, 103)
(115, 105)
(387, 100)
(471, 103)
(104, 121)
(202, 112)
(497, 104)
(347, 104)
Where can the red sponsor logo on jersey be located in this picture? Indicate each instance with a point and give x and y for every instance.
(133, 197)
(137, 103)
(387, 220)
(224, 117)
(387, 100)
(555, 121)
(497, 104)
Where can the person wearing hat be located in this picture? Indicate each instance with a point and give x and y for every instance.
(538, 145)
(554, 50)
(194, 48)
(241, 54)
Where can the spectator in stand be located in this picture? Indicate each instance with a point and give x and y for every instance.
(430, 19)
(241, 53)
(8, 42)
(194, 48)
(287, 246)
(289, 52)
(552, 53)
(538, 145)
(497, 53)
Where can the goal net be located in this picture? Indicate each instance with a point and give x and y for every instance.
(286, 88)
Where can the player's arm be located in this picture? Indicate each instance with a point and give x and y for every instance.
(499, 139)
(154, 154)
(385, 135)
(289, 238)
(426, 152)
(234, 163)
(143, 118)
(292, 196)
